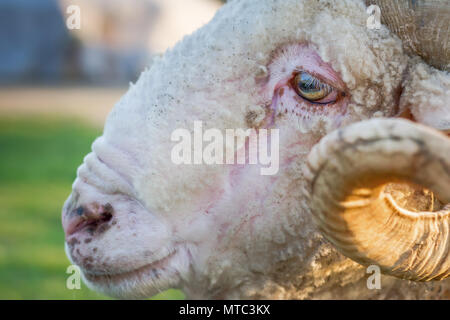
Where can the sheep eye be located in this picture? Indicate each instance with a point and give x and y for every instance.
(312, 89)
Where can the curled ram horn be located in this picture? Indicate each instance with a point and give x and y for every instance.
(422, 25)
(379, 191)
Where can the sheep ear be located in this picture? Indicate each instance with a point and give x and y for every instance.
(422, 25)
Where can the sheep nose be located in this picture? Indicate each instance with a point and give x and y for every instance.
(87, 218)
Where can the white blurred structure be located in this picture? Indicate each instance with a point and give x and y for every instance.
(178, 18)
(118, 37)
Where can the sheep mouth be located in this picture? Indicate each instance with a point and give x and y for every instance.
(157, 271)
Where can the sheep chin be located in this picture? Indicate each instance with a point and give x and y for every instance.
(142, 282)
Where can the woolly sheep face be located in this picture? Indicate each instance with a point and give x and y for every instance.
(137, 223)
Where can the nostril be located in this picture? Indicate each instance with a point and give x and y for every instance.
(106, 217)
(79, 211)
(89, 218)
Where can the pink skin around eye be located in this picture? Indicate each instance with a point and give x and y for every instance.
(286, 64)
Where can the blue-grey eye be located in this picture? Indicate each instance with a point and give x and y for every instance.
(311, 88)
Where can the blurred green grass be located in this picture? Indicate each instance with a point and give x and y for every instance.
(38, 161)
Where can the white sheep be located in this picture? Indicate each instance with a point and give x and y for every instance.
(346, 193)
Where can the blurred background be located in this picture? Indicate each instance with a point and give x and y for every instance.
(58, 81)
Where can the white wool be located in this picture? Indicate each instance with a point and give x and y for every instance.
(427, 94)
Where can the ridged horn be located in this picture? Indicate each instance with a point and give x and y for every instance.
(368, 192)
(423, 26)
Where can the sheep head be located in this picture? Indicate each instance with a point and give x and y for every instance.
(137, 223)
